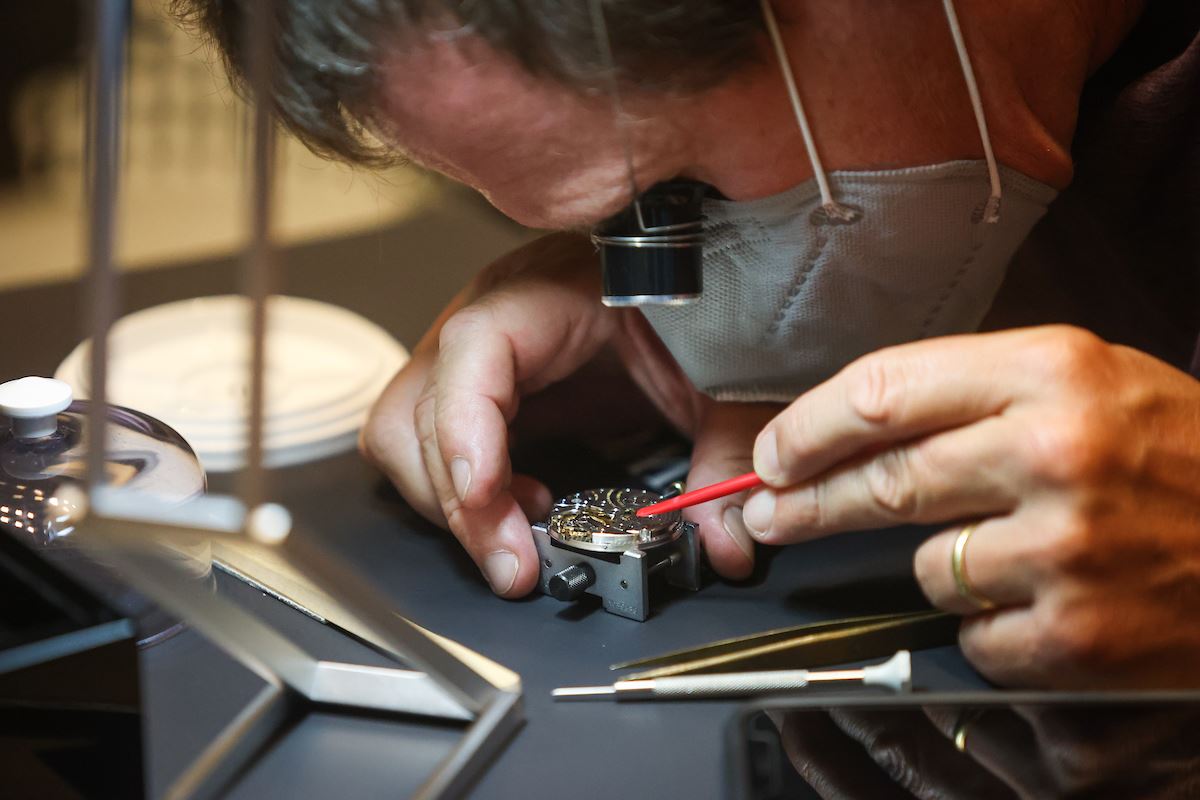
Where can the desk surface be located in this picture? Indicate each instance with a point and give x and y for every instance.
(650, 750)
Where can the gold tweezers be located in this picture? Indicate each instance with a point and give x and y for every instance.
(816, 644)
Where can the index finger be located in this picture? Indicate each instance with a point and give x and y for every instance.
(495, 534)
(490, 353)
(887, 397)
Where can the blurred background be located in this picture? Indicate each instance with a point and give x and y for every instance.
(182, 196)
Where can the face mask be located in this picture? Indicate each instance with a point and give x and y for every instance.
(792, 294)
(798, 285)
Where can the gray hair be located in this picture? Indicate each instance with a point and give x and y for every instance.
(327, 51)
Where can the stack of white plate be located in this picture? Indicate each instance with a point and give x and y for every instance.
(186, 363)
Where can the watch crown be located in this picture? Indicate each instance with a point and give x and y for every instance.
(571, 583)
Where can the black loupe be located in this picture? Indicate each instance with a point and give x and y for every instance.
(652, 252)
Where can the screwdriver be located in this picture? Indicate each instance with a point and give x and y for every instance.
(732, 486)
(894, 674)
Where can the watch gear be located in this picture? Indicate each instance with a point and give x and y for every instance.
(606, 520)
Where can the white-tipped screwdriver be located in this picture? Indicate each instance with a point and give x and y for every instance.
(894, 674)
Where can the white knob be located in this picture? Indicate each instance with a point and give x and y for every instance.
(33, 405)
(895, 673)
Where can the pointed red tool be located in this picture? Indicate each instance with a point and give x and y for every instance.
(732, 486)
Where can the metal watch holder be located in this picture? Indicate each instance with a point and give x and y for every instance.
(619, 571)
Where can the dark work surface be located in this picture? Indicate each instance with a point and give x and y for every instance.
(401, 278)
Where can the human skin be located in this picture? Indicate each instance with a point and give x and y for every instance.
(1079, 457)
(881, 83)
(883, 89)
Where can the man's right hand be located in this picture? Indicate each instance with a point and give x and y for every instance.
(440, 431)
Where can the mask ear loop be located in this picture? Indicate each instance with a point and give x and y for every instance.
(991, 211)
(833, 209)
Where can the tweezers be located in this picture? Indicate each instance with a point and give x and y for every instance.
(815, 644)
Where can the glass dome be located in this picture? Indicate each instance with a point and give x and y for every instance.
(45, 448)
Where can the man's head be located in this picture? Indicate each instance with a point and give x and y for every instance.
(330, 52)
(511, 97)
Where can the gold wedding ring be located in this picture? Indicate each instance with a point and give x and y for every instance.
(958, 565)
(959, 735)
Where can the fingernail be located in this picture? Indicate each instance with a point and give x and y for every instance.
(732, 520)
(766, 457)
(757, 514)
(500, 569)
(460, 473)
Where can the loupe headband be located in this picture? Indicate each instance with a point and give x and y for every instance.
(652, 252)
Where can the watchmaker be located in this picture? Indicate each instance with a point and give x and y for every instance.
(1029, 168)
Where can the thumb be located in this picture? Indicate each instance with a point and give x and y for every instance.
(723, 449)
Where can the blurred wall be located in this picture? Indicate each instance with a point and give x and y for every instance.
(181, 189)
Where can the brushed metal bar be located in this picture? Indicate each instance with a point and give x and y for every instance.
(384, 689)
(258, 271)
(126, 527)
(259, 647)
(110, 22)
(389, 630)
(499, 719)
(146, 520)
(228, 756)
(494, 713)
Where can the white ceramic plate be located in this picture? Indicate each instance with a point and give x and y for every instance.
(186, 363)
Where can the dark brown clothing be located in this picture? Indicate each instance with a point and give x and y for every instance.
(1119, 250)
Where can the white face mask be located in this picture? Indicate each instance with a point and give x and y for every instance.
(799, 284)
(792, 295)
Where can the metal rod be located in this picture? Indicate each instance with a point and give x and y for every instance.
(258, 275)
(109, 24)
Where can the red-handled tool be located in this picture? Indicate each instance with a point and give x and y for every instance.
(732, 486)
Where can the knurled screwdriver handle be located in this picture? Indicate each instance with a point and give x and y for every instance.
(741, 684)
